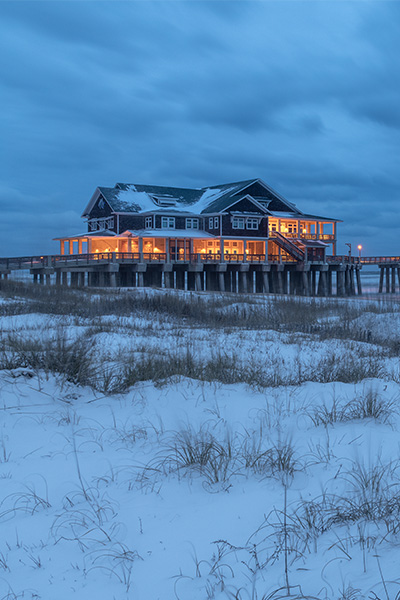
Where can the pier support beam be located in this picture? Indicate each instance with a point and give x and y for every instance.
(313, 283)
(306, 288)
(359, 287)
(381, 275)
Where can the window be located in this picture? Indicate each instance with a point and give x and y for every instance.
(252, 223)
(148, 222)
(168, 222)
(192, 223)
(101, 224)
(216, 222)
(211, 223)
(238, 223)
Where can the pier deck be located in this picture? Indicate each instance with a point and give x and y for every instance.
(249, 273)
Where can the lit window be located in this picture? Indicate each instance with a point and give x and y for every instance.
(252, 223)
(192, 223)
(211, 223)
(148, 222)
(238, 223)
(168, 222)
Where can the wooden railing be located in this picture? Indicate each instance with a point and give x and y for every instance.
(66, 260)
(363, 260)
(326, 237)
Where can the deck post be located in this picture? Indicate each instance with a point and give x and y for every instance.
(285, 284)
(113, 279)
(292, 275)
(48, 279)
(381, 280)
(197, 282)
(322, 287)
(358, 277)
(243, 282)
(398, 275)
(41, 278)
(305, 283)
(347, 281)
(329, 281)
(35, 278)
(64, 278)
(352, 284)
(387, 279)
(265, 279)
(140, 279)
(221, 281)
(140, 246)
(58, 277)
(393, 280)
(313, 283)
(280, 281)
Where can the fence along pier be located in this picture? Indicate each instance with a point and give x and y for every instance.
(199, 272)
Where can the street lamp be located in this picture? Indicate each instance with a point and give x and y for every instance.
(359, 248)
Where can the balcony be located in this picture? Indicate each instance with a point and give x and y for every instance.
(324, 237)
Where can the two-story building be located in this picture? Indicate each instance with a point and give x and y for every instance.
(246, 220)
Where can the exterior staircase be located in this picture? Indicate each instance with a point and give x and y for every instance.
(288, 246)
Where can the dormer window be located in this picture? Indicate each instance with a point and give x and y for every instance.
(168, 222)
(164, 201)
(148, 222)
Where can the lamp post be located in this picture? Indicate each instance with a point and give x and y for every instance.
(349, 245)
(359, 248)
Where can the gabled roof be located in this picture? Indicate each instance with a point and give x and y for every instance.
(140, 199)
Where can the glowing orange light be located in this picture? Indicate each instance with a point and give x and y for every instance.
(359, 247)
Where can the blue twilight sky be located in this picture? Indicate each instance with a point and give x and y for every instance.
(303, 94)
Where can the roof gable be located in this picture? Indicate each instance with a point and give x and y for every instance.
(140, 199)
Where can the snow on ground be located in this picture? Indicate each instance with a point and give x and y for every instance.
(197, 489)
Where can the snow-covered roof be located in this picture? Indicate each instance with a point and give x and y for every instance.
(98, 233)
(135, 198)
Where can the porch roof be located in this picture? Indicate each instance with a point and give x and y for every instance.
(169, 233)
(100, 233)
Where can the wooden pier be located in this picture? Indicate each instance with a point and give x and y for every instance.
(247, 273)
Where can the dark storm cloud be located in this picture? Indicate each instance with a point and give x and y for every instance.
(302, 94)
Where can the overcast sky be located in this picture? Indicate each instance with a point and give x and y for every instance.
(303, 94)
